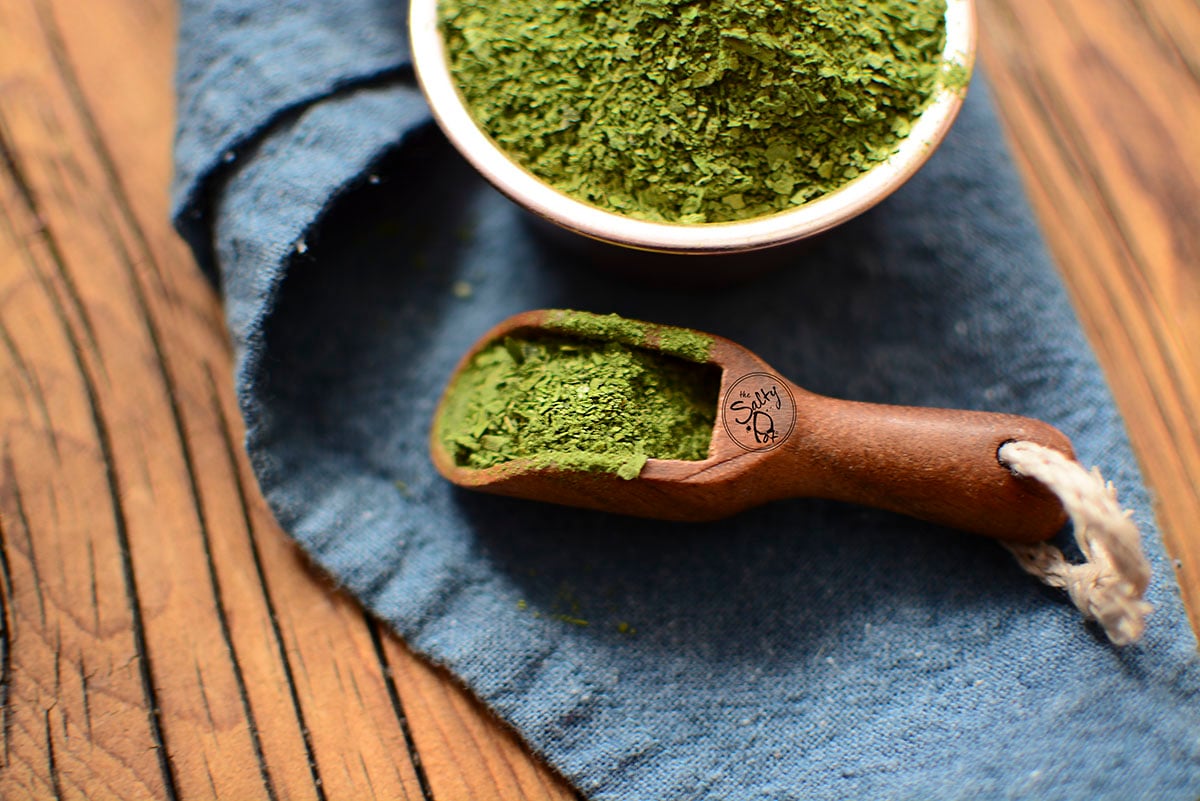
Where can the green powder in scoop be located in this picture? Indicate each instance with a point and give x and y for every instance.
(579, 404)
(696, 111)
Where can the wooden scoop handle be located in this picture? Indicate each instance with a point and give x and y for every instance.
(935, 464)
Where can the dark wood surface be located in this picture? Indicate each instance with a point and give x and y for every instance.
(162, 638)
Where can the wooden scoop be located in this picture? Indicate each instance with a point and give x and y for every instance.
(774, 440)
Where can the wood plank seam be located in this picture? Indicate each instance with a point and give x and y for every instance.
(30, 380)
(9, 164)
(151, 328)
(104, 440)
(117, 189)
(231, 451)
(397, 705)
(7, 640)
(61, 58)
(23, 519)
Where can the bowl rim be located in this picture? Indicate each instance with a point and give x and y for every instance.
(430, 62)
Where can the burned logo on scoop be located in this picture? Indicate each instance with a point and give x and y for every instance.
(758, 411)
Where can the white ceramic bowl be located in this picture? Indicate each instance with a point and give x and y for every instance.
(821, 214)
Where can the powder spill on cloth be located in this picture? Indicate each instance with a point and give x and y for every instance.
(804, 650)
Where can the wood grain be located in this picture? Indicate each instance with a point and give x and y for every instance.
(1101, 101)
(161, 638)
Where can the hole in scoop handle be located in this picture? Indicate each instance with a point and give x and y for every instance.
(938, 465)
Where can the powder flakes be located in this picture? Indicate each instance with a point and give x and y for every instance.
(681, 342)
(578, 404)
(696, 111)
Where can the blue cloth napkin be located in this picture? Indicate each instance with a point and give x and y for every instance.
(805, 650)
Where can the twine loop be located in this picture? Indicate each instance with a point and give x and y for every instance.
(1110, 585)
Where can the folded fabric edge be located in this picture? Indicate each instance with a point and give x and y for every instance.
(195, 191)
(264, 208)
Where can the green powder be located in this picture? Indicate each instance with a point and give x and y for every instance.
(578, 404)
(681, 342)
(692, 111)
(603, 327)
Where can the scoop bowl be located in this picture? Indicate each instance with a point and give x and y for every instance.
(774, 440)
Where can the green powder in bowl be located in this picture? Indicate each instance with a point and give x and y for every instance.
(683, 111)
(578, 404)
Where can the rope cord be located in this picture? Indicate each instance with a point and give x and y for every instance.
(1109, 586)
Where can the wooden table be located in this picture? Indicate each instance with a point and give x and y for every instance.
(163, 638)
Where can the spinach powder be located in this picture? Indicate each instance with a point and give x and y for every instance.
(577, 404)
(696, 111)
